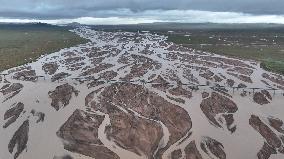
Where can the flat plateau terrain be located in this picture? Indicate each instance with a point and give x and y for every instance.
(20, 44)
(128, 95)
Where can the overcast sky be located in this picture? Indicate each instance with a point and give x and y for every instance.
(142, 11)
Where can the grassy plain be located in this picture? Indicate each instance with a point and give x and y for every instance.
(20, 44)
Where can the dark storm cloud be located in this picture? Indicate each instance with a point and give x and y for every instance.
(51, 9)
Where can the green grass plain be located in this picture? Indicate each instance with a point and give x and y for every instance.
(20, 44)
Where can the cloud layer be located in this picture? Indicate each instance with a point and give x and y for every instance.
(125, 16)
(143, 11)
(52, 9)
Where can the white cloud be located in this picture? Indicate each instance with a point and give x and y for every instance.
(125, 16)
(85, 20)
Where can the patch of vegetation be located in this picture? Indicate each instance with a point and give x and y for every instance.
(20, 44)
(273, 65)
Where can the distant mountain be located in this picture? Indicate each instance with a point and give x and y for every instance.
(26, 25)
(166, 26)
